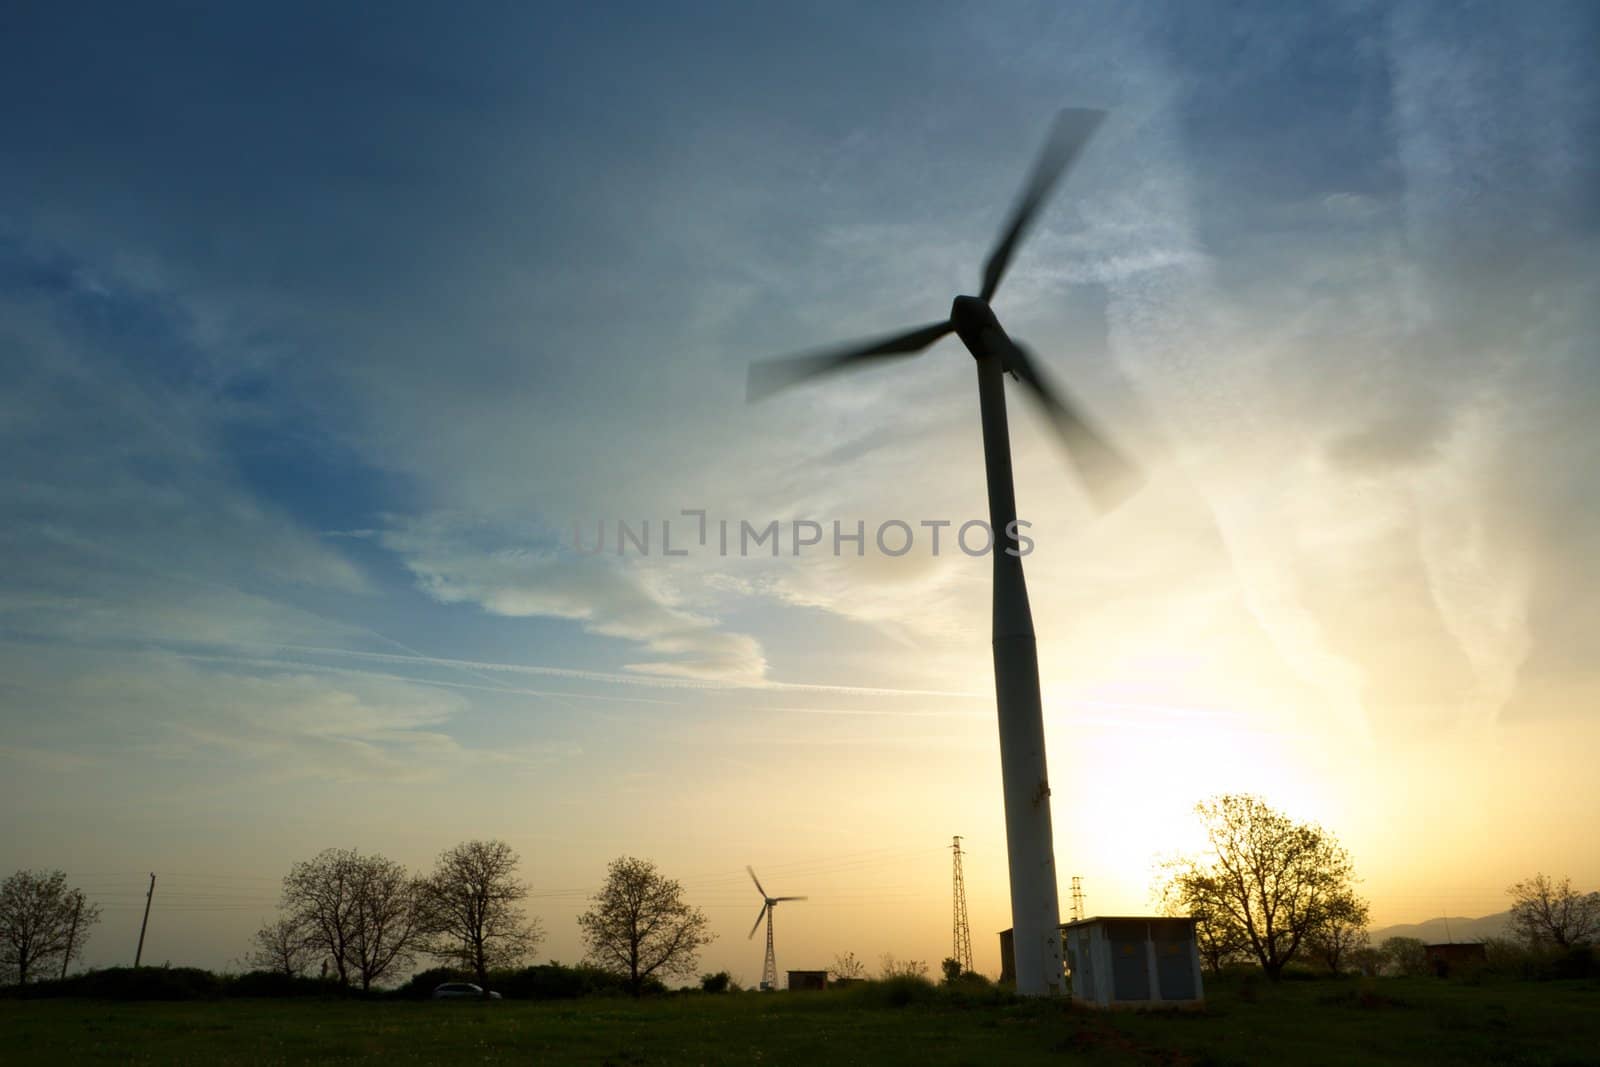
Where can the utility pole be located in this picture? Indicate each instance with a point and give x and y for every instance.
(72, 931)
(961, 932)
(1077, 898)
(139, 952)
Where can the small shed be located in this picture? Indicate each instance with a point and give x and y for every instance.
(807, 980)
(1129, 961)
(1456, 957)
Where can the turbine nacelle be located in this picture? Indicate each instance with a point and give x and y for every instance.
(971, 313)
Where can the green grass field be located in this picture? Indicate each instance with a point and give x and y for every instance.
(1328, 1022)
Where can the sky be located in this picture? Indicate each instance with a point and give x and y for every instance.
(336, 339)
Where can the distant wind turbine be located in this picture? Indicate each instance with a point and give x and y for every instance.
(1108, 477)
(769, 970)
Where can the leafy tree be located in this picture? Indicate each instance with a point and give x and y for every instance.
(359, 911)
(640, 926)
(950, 967)
(281, 946)
(1367, 960)
(1342, 931)
(847, 966)
(1546, 913)
(41, 921)
(1267, 882)
(1405, 956)
(716, 983)
(1220, 940)
(470, 909)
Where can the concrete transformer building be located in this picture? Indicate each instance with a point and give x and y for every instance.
(799, 980)
(1119, 961)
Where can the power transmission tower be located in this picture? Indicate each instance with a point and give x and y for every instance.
(769, 969)
(961, 933)
(1077, 899)
(139, 952)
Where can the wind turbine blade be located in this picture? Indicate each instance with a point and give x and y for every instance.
(776, 899)
(757, 881)
(1072, 129)
(762, 914)
(1109, 477)
(770, 375)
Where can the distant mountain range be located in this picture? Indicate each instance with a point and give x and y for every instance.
(1455, 928)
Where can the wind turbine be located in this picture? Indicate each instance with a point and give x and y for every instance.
(1104, 472)
(769, 970)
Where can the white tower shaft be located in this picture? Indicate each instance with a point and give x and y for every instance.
(1030, 851)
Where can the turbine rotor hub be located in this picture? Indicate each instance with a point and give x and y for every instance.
(971, 316)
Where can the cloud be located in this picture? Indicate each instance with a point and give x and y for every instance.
(278, 724)
(124, 516)
(459, 560)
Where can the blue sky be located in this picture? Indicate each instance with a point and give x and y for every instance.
(320, 327)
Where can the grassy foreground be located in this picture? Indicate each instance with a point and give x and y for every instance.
(1328, 1022)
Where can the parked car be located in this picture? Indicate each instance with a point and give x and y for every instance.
(461, 991)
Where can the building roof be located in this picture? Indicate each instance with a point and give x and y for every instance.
(1123, 919)
(1129, 919)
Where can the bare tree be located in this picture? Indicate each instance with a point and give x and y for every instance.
(358, 911)
(470, 909)
(1267, 881)
(41, 920)
(889, 967)
(319, 895)
(1546, 913)
(389, 923)
(639, 925)
(847, 966)
(282, 946)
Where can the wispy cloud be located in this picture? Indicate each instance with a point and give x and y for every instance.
(459, 560)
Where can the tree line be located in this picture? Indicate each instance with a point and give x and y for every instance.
(1272, 891)
(363, 918)
(1269, 890)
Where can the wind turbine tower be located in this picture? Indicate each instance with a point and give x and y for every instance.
(961, 932)
(1105, 473)
(769, 969)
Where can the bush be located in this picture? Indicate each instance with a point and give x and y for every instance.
(1303, 972)
(973, 988)
(715, 983)
(129, 983)
(1514, 959)
(274, 984)
(420, 986)
(554, 981)
(899, 991)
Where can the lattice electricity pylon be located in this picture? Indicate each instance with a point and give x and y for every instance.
(1077, 898)
(769, 970)
(961, 933)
